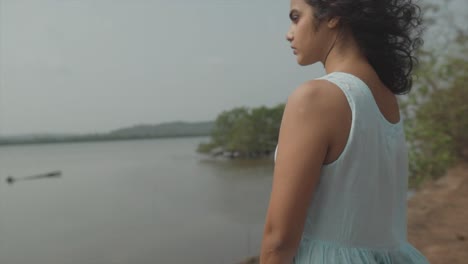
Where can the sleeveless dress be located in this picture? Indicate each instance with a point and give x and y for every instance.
(358, 211)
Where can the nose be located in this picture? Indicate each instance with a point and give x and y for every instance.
(289, 35)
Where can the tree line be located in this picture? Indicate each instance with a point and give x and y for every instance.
(245, 132)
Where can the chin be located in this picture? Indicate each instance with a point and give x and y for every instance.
(303, 62)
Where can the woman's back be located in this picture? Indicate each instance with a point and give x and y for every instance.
(358, 211)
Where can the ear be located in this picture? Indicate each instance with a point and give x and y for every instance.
(333, 22)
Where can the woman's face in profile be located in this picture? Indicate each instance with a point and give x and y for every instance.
(307, 39)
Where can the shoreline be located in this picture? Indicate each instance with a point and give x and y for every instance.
(76, 140)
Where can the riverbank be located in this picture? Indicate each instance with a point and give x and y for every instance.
(87, 139)
(437, 219)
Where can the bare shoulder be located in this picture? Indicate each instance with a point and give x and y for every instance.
(318, 97)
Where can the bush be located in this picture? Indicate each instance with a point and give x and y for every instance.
(246, 132)
(437, 118)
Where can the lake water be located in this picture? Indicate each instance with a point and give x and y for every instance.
(143, 201)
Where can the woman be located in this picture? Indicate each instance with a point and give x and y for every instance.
(340, 178)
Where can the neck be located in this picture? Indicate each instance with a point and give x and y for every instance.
(343, 55)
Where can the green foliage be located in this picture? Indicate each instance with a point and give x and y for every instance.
(437, 115)
(246, 132)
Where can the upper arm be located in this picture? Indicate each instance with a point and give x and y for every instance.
(302, 147)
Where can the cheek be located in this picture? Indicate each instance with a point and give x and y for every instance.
(307, 34)
(310, 47)
(308, 43)
(311, 34)
(315, 41)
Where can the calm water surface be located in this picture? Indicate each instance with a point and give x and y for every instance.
(146, 201)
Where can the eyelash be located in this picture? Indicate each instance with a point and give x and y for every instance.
(294, 18)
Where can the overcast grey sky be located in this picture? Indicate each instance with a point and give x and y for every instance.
(97, 65)
(79, 66)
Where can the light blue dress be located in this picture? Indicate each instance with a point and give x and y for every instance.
(358, 212)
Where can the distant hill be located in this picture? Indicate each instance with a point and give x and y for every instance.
(167, 129)
(172, 129)
(36, 136)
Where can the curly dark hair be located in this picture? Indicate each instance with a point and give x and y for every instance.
(387, 31)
